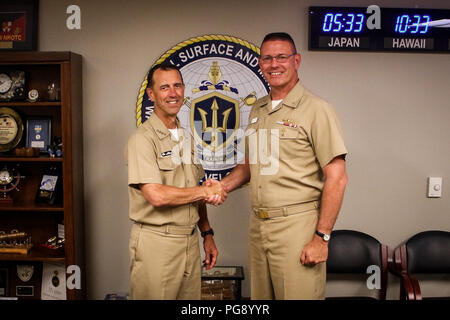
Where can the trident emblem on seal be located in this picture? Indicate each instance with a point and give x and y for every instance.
(215, 111)
(214, 129)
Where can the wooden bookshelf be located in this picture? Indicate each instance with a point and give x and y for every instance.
(40, 220)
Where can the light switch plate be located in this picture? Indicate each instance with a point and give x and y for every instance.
(434, 187)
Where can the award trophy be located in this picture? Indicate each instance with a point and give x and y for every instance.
(26, 280)
(15, 242)
(11, 129)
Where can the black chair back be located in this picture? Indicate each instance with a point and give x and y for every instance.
(352, 252)
(429, 252)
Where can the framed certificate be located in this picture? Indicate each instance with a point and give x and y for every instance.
(19, 25)
(39, 133)
(53, 281)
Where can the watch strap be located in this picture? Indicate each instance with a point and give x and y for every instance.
(205, 233)
(324, 236)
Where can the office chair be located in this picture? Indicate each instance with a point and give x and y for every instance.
(427, 252)
(352, 252)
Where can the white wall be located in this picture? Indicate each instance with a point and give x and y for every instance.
(394, 108)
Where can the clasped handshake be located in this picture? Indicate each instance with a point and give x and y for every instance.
(215, 192)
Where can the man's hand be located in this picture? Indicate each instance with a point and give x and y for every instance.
(314, 252)
(216, 194)
(211, 252)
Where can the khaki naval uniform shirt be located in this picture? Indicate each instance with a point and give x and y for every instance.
(154, 157)
(309, 135)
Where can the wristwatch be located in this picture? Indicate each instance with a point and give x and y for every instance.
(325, 237)
(205, 233)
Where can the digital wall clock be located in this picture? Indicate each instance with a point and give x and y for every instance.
(410, 30)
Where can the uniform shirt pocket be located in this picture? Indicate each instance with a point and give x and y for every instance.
(166, 163)
(289, 141)
(287, 133)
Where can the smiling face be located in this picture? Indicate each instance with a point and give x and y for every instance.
(282, 76)
(167, 92)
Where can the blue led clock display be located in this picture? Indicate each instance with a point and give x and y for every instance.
(379, 29)
(343, 22)
(410, 25)
(340, 22)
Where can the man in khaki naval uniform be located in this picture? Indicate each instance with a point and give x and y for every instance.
(296, 194)
(166, 202)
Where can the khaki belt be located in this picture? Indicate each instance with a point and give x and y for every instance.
(183, 230)
(266, 213)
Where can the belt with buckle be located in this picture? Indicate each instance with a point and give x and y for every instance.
(168, 229)
(267, 213)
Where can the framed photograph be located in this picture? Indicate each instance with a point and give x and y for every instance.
(39, 132)
(18, 25)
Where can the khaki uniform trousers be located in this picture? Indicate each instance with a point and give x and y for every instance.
(275, 249)
(164, 266)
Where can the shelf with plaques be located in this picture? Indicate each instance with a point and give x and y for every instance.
(6, 158)
(31, 104)
(64, 120)
(36, 253)
(27, 206)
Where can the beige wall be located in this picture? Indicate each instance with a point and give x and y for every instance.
(394, 109)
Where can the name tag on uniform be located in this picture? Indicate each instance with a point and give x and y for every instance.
(166, 153)
(254, 120)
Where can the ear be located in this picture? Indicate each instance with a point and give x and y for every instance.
(259, 63)
(150, 94)
(298, 60)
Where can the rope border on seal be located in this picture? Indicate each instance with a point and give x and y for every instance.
(178, 47)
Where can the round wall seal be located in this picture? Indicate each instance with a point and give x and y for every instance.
(223, 80)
